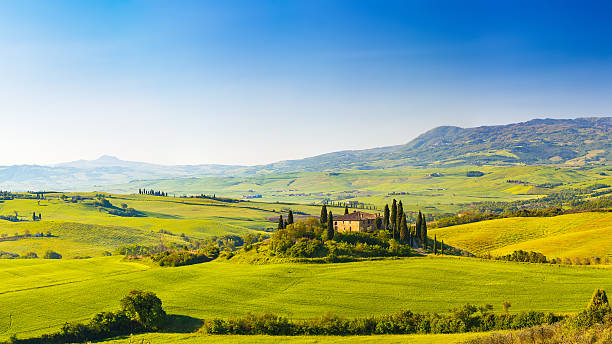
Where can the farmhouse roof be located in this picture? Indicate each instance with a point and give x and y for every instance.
(356, 216)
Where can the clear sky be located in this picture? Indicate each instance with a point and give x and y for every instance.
(249, 82)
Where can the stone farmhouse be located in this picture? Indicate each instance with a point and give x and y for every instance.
(357, 221)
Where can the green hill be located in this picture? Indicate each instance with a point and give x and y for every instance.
(41, 295)
(572, 235)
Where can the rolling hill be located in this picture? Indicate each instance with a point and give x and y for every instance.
(581, 141)
(565, 236)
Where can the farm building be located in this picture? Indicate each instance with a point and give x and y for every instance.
(357, 221)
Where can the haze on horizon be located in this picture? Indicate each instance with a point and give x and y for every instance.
(253, 82)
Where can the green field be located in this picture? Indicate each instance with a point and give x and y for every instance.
(83, 230)
(43, 294)
(434, 190)
(572, 235)
(164, 338)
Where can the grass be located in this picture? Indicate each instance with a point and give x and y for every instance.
(166, 338)
(571, 235)
(41, 295)
(439, 194)
(82, 230)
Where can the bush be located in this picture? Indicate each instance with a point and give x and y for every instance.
(52, 255)
(145, 308)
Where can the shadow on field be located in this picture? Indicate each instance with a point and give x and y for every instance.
(182, 324)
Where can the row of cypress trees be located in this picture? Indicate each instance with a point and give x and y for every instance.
(394, 220)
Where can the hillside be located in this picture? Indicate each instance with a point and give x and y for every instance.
(539, 141)
(54, 292)
(565, 236)
(579, 141)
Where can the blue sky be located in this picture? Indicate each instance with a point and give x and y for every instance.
(248, 82)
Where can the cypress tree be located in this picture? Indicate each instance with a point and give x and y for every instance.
(417, 230)
(398, 223)
(442, 247)
(435, 244)
(281, 224)
(346, 210)
(330, 226)
(34, 216)
(393, 216)
(424, 230)
(403, 229)
(290, 217)
(323, 216)
(386, 217)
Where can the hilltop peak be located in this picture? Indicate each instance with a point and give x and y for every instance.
(108, 158)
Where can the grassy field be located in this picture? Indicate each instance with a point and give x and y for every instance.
(164, 338)
(82, 230)
(571, 235)
(434, 190)
(41, 295)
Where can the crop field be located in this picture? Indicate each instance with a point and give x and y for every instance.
(40, 295)
(571, 235)
(434, 190)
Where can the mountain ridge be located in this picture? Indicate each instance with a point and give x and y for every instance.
(579, 141)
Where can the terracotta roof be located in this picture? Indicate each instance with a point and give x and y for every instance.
(355, 216)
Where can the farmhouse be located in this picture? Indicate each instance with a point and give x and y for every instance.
(357, 221)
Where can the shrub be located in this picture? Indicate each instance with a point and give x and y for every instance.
(52, 255)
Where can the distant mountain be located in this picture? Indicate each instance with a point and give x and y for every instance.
(540, 141)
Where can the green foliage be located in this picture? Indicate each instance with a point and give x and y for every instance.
(468, 318)
(52, 255)
(303, 240)
(141, 311)
(145, 308)
(183, 257)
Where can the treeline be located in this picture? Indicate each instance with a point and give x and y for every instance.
(592, 325)
(468, 318)
(537, 257)
(141, 311)
(312, 240)
(184, 257)
(190, 250)
(152, 192)
(395, 221)
(124, 210)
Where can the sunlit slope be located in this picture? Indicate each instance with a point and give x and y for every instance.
(571, 235)
(41, 294)
(191, 338)
(80, 229)
(431, 189)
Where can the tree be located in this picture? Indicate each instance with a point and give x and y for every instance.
(386, 217)
(52, 255)
(323, 216)
(330, 226)
(403, 233)
(393, 216)
(290, 217)
(418, 226)
(145, 308)
(281, 223)
(424, 230)
(346, 210)
(39, 216)
(435, 248)
(34, 217)
(398, 221)
(599, 300)
(442, 247)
